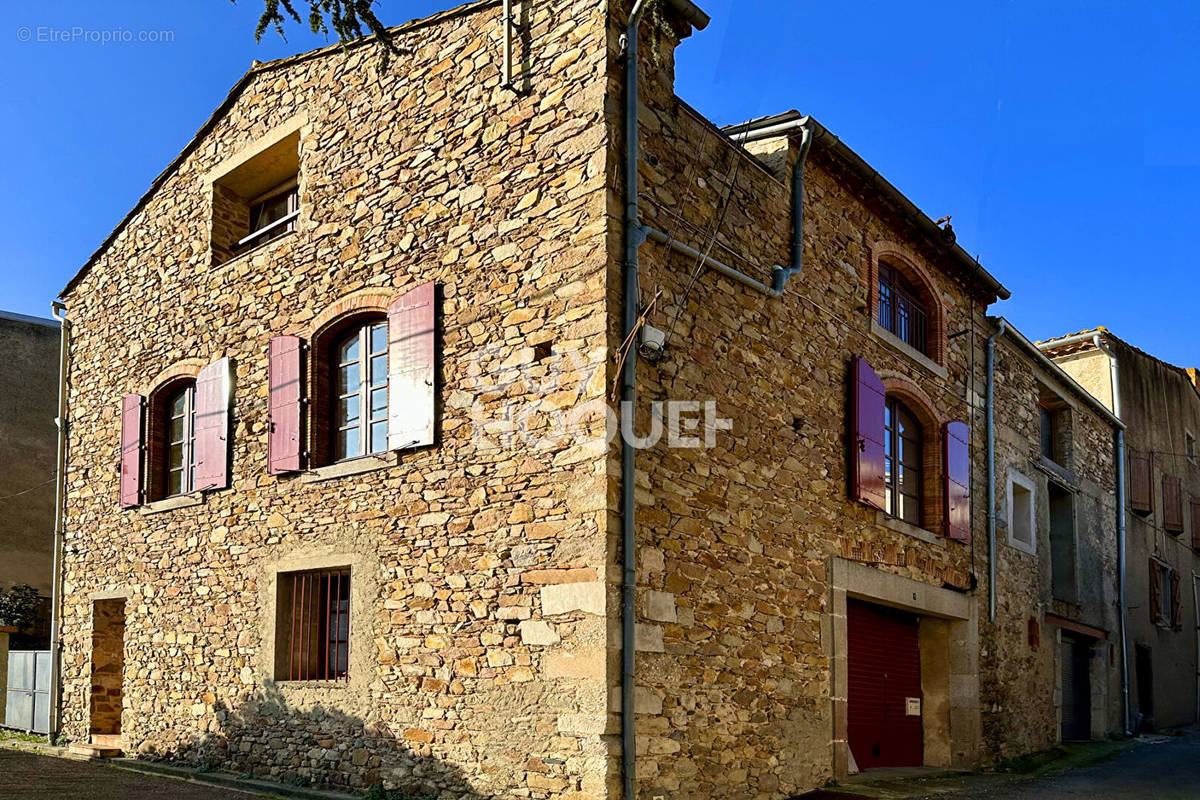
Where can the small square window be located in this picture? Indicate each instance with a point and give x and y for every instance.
(256, 201)
(1021, 520)
(312, 625)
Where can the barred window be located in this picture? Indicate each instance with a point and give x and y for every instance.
(312, 627)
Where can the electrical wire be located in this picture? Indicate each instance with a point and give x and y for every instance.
(27, 491)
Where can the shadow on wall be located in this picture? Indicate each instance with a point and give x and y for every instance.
(318, 747)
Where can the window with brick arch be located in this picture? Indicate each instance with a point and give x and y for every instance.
(902, 462)
(359, 400)
(901, 310)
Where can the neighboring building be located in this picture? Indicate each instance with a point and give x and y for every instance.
(326, 520)
(1051, 663)
(28, 447)
(1160, 405)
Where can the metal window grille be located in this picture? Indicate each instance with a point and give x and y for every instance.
(318, 624)
(901, 312)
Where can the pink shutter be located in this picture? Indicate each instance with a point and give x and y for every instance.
(411, 368)
(132, 406)
(958, 481)
(212, 425)
(285, 378)
(867, 436)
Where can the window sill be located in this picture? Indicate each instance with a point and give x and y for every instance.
(172, 503)
(1016, 544)
(908, 529)
(355, 466)
(891, 339)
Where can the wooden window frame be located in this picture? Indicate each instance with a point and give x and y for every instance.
(187, 444)
(892, 451)
(262, 234)
(367, 419)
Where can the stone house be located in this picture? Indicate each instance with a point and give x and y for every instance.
(1160, 405)
(1051, 661)
(346, 501)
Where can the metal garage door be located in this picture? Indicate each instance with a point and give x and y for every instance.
(884, 706)
(1076, 689)
(28, 704)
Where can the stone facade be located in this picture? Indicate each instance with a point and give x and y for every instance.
(1160, 404)
(477, 641)
(1022, 652)
(484, 645)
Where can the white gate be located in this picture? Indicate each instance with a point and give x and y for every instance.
(28, 706)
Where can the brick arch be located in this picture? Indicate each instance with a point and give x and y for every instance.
(185, 368)
(912, 267)
(932, 422)
(364, 301)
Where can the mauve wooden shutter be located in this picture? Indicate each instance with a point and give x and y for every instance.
(958, 481)
(1141, 496)
(1196, 524)
(1172, 504)
(1156, 588)
(411, 368)
(285, 377)
(867, 436)
(132, 408)
(212, 425)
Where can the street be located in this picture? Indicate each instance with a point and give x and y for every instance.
(1167, 771)
(25, 775)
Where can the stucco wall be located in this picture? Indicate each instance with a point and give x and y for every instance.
(28, 441)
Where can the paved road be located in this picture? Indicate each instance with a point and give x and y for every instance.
(25, 775)
(1167, 771)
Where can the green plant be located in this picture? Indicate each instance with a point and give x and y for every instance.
(19, 736)
(18, 606)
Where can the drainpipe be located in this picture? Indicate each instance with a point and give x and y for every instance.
(1115, 378)
(507, 21)
(634, 236)
(59, 312)
(991, 467)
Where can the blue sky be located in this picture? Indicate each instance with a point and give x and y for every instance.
(1062, 137)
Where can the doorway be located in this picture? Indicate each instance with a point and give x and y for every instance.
(1144, 666)
(108, 666)
(1075, 664)
(884, 703)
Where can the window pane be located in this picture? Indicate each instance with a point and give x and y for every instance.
(175, 434)
(175, 456)
(379, 338)
(347, 379)
(379, 403)
(176, 404)
(175, 482)
(347, 444)
(379, 436)
(349, 350)
(348, 411)
(379, 365)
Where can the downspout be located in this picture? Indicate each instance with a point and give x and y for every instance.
(991, 467)
(59, 312)
(1115, 378)
(634, 236)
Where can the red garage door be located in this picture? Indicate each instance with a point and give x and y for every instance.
(885, 687)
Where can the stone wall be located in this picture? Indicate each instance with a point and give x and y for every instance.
(478, 662)
(1019, 668)
(735, 542)
(108, 666)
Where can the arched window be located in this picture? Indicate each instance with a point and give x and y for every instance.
(901, 310)
(180, 444)
(902, 461)
(360, 391)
